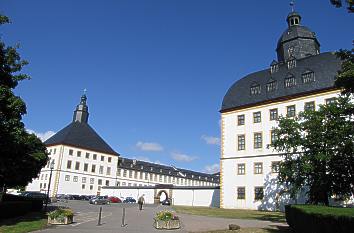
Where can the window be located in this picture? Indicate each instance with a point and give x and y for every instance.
(75, 178)
(40, 185)
(255, 89)
(99, 182)
(309, 106)
(308, 77)
(241, 169)
(135, 175)
(87, 155)
(330, 100)
(55, 151)
(124, 173)
(94, 156)
(273, 114)
(109, 159)
(130, 174)
(67, 178)
(257, 140)
(160, 179)
(44, 185)
(129, 184)
(274, 68)
(258, 193)
(271, 86)
(93, 168)
(273, 136)
(83, 180)
(141, 175)
(78, 153)
(82, 186)
(275, 167)
(258, 168)
(165, 179)
(107, 182)
(256, 117)
(92, 180)
(291, 63)
(289, 81)
(241, 142)
(46, 176)
(118, 183)
(119, 172)
(71, 152)
(146, 176)
(100, 170)
(68, 164)
(91, 187)
(102, 158)
(77, 165)
(240, 119)
(290, 111)
(241, 193)
(108, 172)
(123, 183)
(155, 177)
(86, 167)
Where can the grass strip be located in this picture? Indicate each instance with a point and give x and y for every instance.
(27, 223)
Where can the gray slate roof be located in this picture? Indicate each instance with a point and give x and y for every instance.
(139, 165)
(324, 65)
(80, 135)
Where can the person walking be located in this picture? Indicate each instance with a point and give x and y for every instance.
(141, 201)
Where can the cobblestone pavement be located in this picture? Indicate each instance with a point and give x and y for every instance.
(86, 219)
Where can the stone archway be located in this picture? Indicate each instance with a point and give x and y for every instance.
(158, 196)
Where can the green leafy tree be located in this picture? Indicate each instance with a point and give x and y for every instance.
(318, 151)
(345, 78)
(22, 155)
(339, 3)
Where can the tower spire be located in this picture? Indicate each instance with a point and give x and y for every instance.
(81, 113)
(292, 4)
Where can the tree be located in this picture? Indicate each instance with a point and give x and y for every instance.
(318, 151)
(22, 155)
(345, 78)
(349, 3)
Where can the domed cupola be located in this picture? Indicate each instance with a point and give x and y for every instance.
(297, 41)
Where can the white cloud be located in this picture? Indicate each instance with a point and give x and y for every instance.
(211, 140)
(43, 136)
(183, 157)
(149, 146)
(214, 168)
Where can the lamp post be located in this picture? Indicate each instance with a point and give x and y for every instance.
(50, 179)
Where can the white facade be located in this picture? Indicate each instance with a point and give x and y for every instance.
(246, 169)
(76, 171)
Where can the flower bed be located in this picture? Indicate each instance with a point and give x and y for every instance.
(166, 220)
(61, 217)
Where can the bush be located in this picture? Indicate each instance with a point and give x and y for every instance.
(36, 203)
(319, 219)
(60, 214)
(166, 216)
(14, 208)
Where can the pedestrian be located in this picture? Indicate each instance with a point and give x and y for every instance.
(141, 201)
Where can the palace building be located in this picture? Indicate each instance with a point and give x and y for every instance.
(301, 78)
(84, 163)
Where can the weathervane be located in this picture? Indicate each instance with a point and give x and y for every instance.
(85, 90)
(292, 4)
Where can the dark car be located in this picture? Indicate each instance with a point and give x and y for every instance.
(129, 200)
(166, 202)
(36, 195)
(100, 200)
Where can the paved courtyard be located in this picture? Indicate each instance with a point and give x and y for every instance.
(86, 219)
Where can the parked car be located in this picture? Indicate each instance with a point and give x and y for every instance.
(36, 195)
(100, 200)
(166, 202)
(129, 200)
(115, 200)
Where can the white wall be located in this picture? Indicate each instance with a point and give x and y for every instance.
(134, 192)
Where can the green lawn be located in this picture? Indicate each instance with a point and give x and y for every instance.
(232, 213)
(29, 222)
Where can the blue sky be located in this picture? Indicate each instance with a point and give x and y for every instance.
(156, 71)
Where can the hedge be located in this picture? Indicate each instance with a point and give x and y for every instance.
(319, 219)
(14, 208)
(36, 204)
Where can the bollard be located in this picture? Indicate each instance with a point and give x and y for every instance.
(123, 218)
(99, 217)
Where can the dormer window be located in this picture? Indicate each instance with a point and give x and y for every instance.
(141, 167)
(308, 77)
(255, 89)
(291, 63)
(271, 86)
(289, 81)
(151, 168)
(274, 68)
